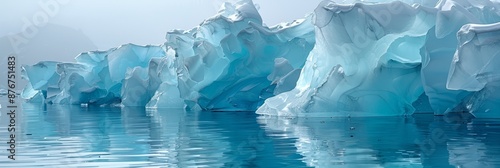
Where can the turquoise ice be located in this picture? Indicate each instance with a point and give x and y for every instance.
(95, 78)
(378, 59)
(347, 58)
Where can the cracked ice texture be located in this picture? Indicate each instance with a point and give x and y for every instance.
(95, 77)
(230, 62)
(225, 63)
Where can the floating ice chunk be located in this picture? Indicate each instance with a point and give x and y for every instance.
(362, 65)
(3, 92)
(31, 95)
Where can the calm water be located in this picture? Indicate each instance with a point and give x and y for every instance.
(72, 136)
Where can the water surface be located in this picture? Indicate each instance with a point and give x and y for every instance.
(74, 136)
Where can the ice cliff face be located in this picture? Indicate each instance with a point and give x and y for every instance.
(366, 66)
(346, 59)
(232, 62)
(95, 77)
(229, 62)
(474, 68)
(375, 60)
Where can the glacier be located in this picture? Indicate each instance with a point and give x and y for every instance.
(359, 58)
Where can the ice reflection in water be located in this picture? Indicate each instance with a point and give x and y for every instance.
(455, 140)
(70, 136)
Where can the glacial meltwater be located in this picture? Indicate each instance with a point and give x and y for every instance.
(75, 136)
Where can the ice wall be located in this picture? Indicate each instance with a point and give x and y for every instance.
(164, 74)
(348, 58)
(363, 64)
(475, 68)
(377, 59)
(95, 77)
(229, 62)
(225, 63)
(441, 45)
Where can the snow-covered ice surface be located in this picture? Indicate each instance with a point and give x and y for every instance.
(348, 58)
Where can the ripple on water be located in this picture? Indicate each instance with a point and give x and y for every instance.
(71, 136)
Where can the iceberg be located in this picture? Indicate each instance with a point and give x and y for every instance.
(379, 59)
(359, 58)
(225, 63)
(95, 77)
(230, 62)
(362, 64)
(3, 92)
(43, 80)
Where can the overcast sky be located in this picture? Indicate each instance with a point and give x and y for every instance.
(109, 23)
(76, 26)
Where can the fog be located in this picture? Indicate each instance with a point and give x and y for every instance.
(59, 30)
(113, 22)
